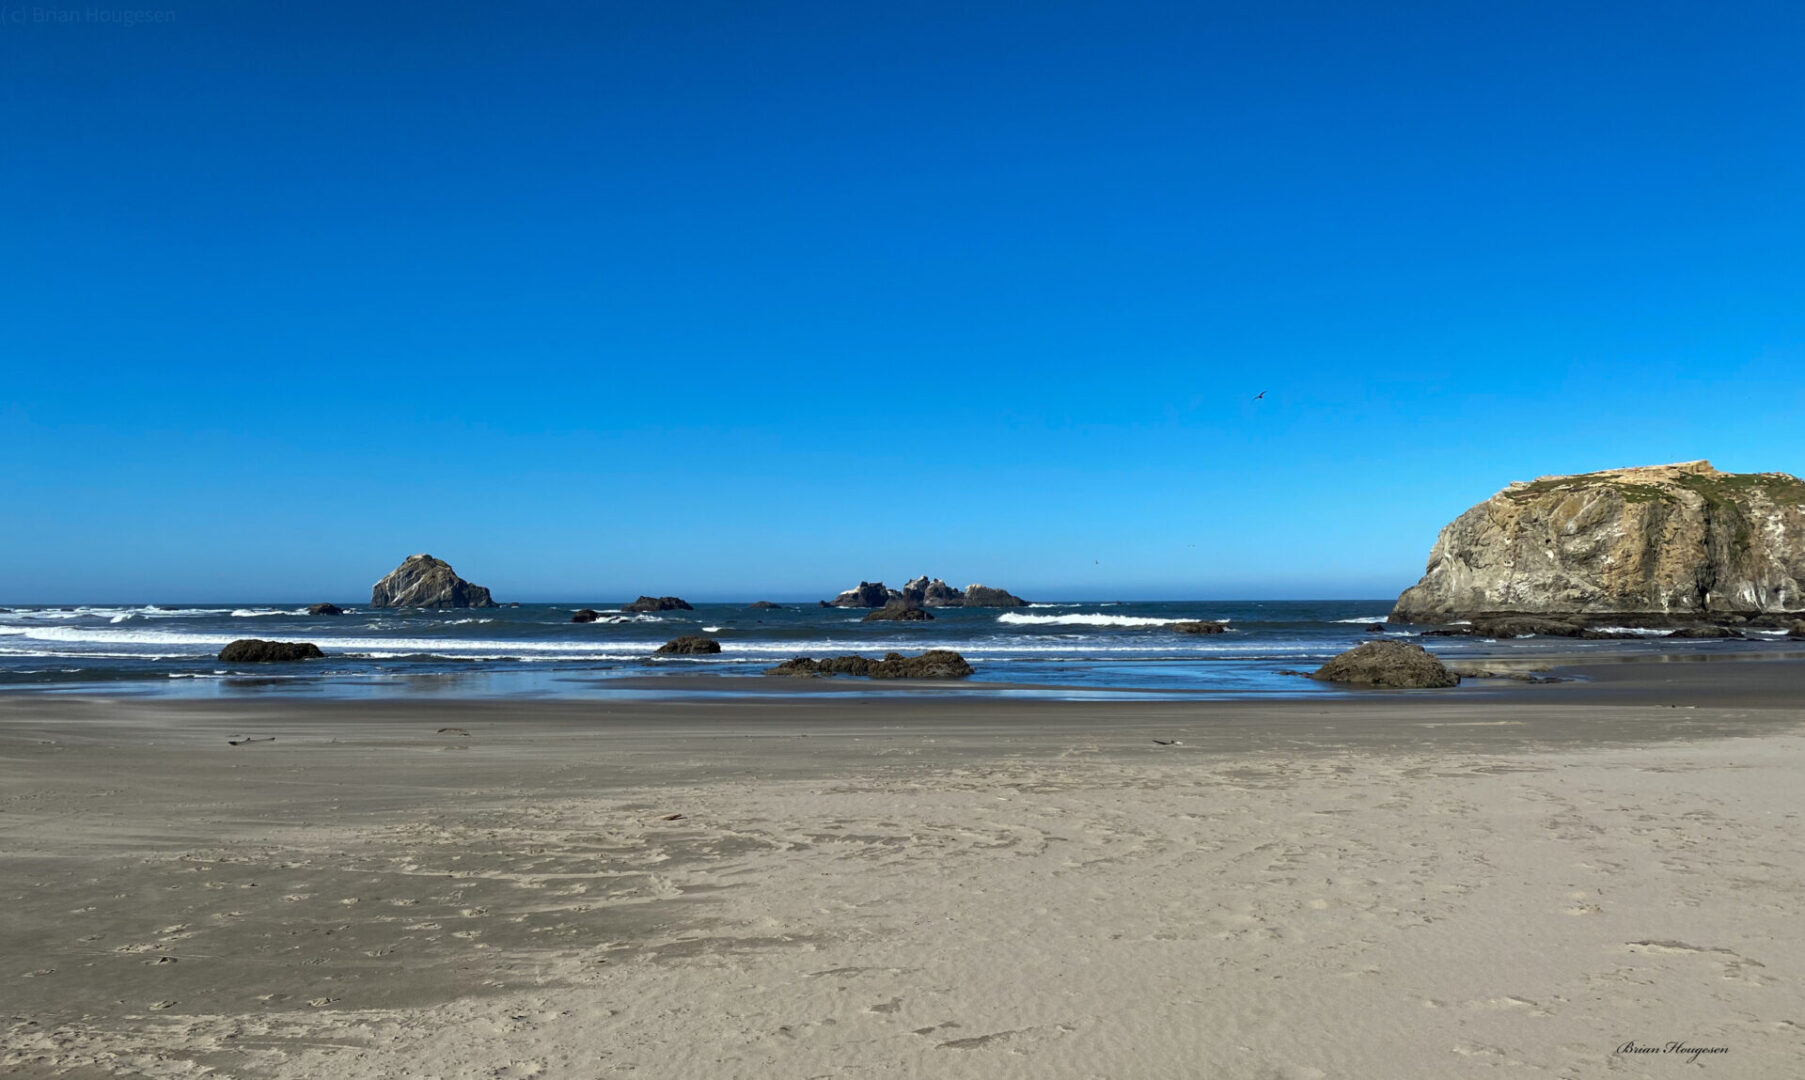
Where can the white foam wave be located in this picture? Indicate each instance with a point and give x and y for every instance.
(257, 613)
(1013, 619)
(711, 629)
(1364, 619)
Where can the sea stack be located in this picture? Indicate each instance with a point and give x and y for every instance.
(1658, 544)
(422, 581)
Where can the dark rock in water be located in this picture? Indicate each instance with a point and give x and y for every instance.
(1393, 665)
(257, 651)
(868, 594)
(1704, 631)
(1797, 630)
(933, 664)
(1194, 626)
(764, 605)
(425, 582)
(659, 603)
(325, 609)
(512, 603)
(932, 593)
(985, 596)
(898, 613)
(586, 615)
(688, 645)
(1376, 628)
(822, 603)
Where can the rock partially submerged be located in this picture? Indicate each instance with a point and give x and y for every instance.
(1671, 543)
(1704, 631)
(585, 615)
(325, 609)
(868, 594)
(258, 651)
(764, 605)
(933, 664)
(659, 603)
(985, 596)
(1392, 665)
(689, 645)
(899, 612)
(1195, 626)
(422, 581)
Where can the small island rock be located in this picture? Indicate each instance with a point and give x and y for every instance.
(422, 581)
(586, 615)
(325, 609)
(659, 603)
(1194, 626)
(1393, 665)
(258, 651)
(985, 596)
(764, 605)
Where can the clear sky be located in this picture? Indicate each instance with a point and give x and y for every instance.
(736, 300)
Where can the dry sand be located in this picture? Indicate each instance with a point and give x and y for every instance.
(1400, 886)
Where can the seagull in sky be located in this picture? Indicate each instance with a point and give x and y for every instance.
(1259, 395)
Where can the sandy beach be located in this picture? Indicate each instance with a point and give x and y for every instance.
(1509, 882)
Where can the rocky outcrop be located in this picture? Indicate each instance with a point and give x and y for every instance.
(899, 612)
(933, 664)
(659, 603)
(764, 605)
(422, 581)
(1193, 626)
(688, 645)
(985, 596)
(585, 615)
(868, 594)
(1390, 665)
(925, 592)
(258, 651)
(1670, 544)
(325, 609)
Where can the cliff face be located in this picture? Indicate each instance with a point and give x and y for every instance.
(423, 581)
(1680, 540)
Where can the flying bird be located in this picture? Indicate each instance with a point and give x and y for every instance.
(1259, 395)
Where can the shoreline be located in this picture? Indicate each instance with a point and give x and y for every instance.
(1418, 884)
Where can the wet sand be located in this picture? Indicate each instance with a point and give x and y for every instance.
(1501, 879)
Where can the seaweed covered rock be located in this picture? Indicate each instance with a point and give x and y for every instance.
(1196, 626)
(933, 664)
(659, 603)
(689, 645)
(1392, 665)
(258, 651)
(425, 582)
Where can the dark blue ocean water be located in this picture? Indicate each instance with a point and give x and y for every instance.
(535, 650)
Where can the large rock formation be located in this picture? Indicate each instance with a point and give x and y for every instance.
(258, 651)
(425, 582)
(1662, 543)
(1389, 665)
(868, 594)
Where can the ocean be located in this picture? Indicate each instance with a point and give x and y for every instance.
(1077, 649)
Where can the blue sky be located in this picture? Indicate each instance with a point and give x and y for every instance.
(728, 300)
